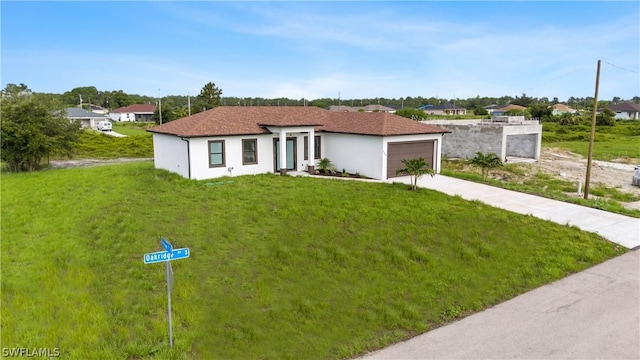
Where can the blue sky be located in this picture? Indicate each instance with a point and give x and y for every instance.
(311, 50)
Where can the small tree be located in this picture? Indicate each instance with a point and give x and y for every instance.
(486, 162)
(415, 168)
(210, 96)
(414, 114)
(606, 117)
(480, 111)
(31, 130)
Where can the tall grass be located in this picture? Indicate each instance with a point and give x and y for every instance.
(96, 145)
(280, 267)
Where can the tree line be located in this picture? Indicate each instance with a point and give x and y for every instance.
(34, 125)
(177, 106)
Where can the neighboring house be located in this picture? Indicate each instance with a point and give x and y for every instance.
(493, 107)
(509, 108)
(379, 108)
(87, 119)
(559, 109)
(443, 109)
(626, 111)
(239, 140)
(367, 108)
(136, 112)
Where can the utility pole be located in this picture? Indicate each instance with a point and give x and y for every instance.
(160, 106)
(592, 136)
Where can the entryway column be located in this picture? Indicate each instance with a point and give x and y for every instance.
(311, 147)
(283, 152)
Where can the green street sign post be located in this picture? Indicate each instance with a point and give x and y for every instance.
(167, 256)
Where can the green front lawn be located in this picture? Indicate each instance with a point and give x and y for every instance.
(280, 267)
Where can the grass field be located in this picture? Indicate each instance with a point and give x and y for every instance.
(280, 267)
(605, 150)
(611, 142)
(139, 130)
(95, 145)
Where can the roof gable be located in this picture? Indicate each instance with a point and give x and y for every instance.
(77, 113)
(513, 107)
(136, 108)
(445, 106)
(377, 123)
(562, 107)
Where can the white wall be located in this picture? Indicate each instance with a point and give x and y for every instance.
(233, 157)
(529, 145)
(625, 115)
(355, 153)
(122, 116)
(436, 161)
(170, 153)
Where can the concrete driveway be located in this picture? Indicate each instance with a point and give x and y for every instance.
(112, 133)
(594, 314)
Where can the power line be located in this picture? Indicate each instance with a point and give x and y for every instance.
(620, 67)
(559, 77)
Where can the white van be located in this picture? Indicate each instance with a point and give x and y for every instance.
(104, 125)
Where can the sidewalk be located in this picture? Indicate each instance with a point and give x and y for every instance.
(620, 229)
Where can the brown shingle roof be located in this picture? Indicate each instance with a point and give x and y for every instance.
(136, 108)
(242, 120)
(562, 107)
(626, 106)
(513, 107)
(377, 123)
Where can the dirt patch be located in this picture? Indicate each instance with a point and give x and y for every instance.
(62, 164)
(573, 167)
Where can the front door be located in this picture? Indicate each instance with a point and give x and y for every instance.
(291, 153)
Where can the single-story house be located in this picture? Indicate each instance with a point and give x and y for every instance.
(239, 140)
(626, 111)
(559, 109)
(87, 119)
(367, 108)
(135, 112)
(443, 109)
(493, 107)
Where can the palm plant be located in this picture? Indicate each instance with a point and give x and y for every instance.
(325, 165)
(486, 162)
(415, 168)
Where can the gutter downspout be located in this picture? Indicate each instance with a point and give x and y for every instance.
(188, 155)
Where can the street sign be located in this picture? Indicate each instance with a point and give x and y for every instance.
(166, 256)
(160, 256)
(166, 244)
